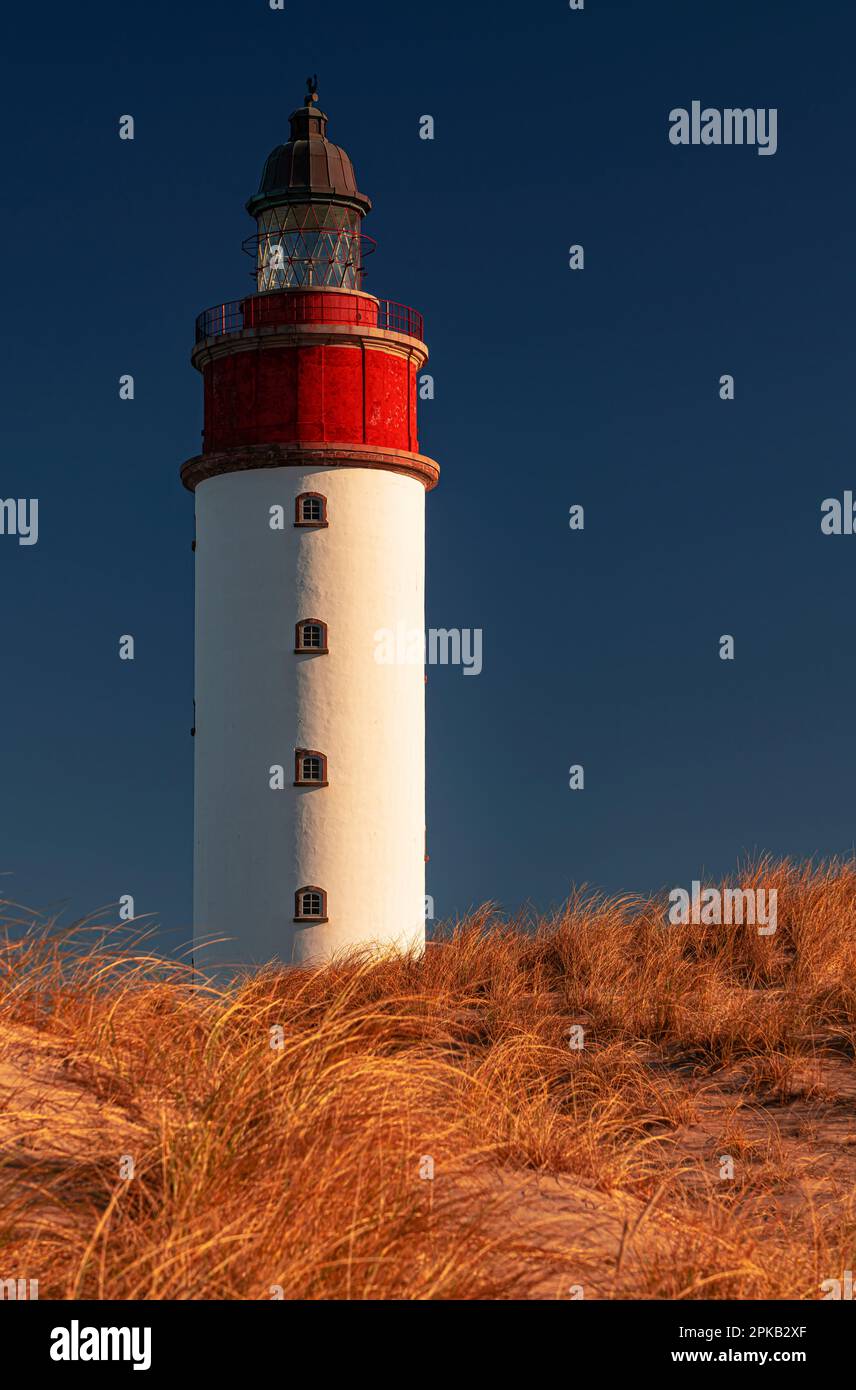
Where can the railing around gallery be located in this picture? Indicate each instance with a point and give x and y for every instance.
(307, 306)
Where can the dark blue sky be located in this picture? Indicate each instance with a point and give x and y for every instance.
(552, 388)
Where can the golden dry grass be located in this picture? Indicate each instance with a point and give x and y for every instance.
(301, 1167)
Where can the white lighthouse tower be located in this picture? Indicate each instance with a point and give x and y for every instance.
(310, 539)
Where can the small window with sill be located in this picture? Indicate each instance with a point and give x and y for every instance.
(310, 904)
(310, 636)
(310, 768)
(310, 510)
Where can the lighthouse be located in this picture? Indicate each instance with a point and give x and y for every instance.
(309, 776)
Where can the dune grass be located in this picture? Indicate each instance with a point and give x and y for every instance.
(385, 1128)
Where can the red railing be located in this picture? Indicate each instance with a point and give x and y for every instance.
(306, 306)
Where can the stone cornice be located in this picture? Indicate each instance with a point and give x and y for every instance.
(197, 470)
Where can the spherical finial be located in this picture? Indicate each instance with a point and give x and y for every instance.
(311, 89)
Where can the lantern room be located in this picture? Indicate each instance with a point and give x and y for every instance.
(308, 211)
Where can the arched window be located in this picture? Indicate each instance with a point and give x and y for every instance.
(310, 636)
(310, 509)
(310, 904)
(310, 768)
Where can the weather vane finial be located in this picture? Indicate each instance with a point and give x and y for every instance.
(311, 89)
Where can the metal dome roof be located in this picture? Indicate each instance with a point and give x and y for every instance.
(308, 168)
